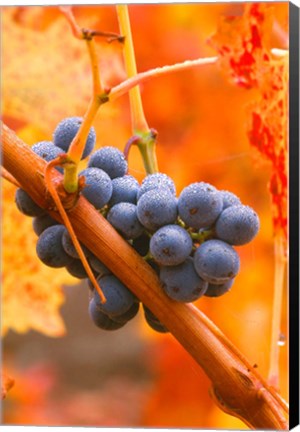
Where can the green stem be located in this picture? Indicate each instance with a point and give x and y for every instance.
(147, 147)
(100, 96)
(148, 257)
(139, 123)
(77, 146)
(71, 177)
(202, 235)
(140, 128)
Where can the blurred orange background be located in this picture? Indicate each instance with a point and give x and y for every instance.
(135, 377)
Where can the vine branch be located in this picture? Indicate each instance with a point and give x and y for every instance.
(238, 386)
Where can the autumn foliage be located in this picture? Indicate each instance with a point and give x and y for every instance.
(225, 124)
(244, 44)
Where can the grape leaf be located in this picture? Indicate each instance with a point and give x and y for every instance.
(47, 73)
(6, 384)
(244, 47)
(47, 76)
(243, 44)
(31, 292)
(267, 131)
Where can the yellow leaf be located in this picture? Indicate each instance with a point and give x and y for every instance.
(31, 292)
(47, 73)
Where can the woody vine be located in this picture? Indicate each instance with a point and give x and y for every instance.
(236, 383)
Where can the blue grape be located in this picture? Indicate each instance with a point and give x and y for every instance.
(111, 160)
(170, 245)
(216, 261)
(47, 151)
(156, 208)
(237, 225)
(98, 189)
(199, 205)
(49, 247)
(69, 247)
(26, 205)
(66, 131)
(123, 217)
(128, 315)
(40, 223)
(102, 320)
(214, 290)
(98, 265)
(118, 298)
(125, 189)
(76, 269)
(154, 181)
(229, 199)
(181, 282)
(153, 321)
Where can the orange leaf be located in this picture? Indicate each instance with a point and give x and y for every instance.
(245, 53)
(47, 74)
(243, 43)
(31, 292)
(267, 131)
(6, 384)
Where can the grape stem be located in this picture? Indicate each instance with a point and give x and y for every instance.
(100, 96)
(237, 384)
(140, 128)
(138, 120)
(80, 33)
(7, 176)
(142, 77)
(132, 141)
(147, 141)
(59, 161)
(201, 236)
(280, 267)
(146, 146)
(148, 256)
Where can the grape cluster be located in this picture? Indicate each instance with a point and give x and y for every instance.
(187, 239)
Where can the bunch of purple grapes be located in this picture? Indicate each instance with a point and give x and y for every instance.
(188, 240)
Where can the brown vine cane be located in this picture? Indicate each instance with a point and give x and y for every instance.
(240, 390)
